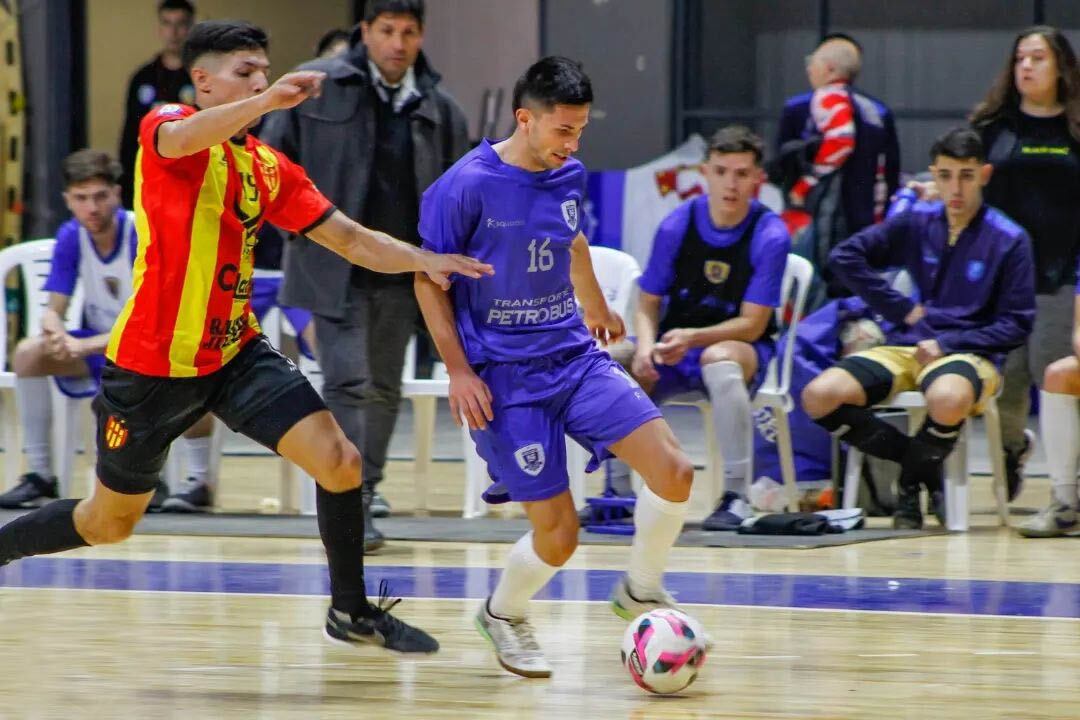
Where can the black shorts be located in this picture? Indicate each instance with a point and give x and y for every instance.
(260, 393)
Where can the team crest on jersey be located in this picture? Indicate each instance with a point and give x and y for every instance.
(268, 166)
(570, 214)
(716, 271)
(530, 458)
(170, 109)
(112, 285)
(975, 270)
(116, 433)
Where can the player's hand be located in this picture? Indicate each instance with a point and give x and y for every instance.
(470, 399)
(57, 345)
(606, 326)
(673, 346)
(74, 347)
(643, 367)
(917, 313)
(927, 351)
(927, 191)
(293, 88)
(440, 267)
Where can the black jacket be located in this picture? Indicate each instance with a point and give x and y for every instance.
(333, 138)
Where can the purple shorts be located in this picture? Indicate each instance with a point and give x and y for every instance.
(685, 377)
(580, 393)
(264, 292)
(83, 386)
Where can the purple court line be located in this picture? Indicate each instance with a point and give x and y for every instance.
(829, 592)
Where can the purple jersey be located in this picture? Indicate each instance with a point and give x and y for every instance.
(523, 224)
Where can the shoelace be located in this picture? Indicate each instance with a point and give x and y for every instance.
(383, 607)
(524, 636)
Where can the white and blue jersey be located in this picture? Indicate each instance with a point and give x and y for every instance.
(106, 281)
(106, 285)
(520, 328)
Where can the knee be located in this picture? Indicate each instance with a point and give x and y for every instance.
(25, 357)
(102, 530)
(556, 544)
(816, 400)
(948, 406)
(676, 479)
(343, 468)
(1061, 377)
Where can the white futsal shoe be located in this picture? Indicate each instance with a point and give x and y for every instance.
(515, 644)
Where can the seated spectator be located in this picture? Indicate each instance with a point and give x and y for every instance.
(708, 295)
(973, 270)
(837, 150)
(97, 249)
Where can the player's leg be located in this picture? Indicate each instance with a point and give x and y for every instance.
(610, 414)
(532, 562)
(137, 418)
(199, 487)
(263, 396)
(841, 400)
(1059, 424)
(726, 369)
(953, 387)
(33, 365)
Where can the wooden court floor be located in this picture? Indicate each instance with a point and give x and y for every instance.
(981, 625)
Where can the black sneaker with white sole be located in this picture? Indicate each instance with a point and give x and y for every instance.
(381, 629)
(32, 491)
(196, 497)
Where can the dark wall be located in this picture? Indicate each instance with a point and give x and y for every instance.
(625, 46)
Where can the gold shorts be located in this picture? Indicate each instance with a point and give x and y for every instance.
(900, 363)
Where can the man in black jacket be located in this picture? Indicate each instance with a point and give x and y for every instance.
(160, 81)
(380, 133)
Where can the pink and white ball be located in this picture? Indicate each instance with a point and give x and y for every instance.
(663, 650)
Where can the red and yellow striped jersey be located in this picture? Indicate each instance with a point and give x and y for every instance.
(197, 218)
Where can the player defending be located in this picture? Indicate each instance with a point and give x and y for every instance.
(524, 369)
(186, 343)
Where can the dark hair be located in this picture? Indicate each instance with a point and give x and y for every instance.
(375, 8)
(1003, 99)
(960, 143)
(330, 37)
(83, 165)
(840, 36)
(222, 36)
(553, 81)
(736, 139)
(184, 5)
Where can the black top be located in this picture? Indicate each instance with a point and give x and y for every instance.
(392, 204)
(1036, 182)
(710, 282)
(153, 84)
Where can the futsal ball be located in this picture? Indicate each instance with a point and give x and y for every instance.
(663, 650)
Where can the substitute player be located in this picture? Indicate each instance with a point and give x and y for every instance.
(524, 369)
(185, 342)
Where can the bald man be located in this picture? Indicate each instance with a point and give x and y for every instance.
(839, 149)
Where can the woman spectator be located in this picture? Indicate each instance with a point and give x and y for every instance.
(1030, 125)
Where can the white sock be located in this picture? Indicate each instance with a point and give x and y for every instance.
(657, 524)
(198, 458)
(525, 574)
(732, 421)
(1059, 421)
(34, 399)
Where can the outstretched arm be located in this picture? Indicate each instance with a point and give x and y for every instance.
(215, 125)
(379, 252)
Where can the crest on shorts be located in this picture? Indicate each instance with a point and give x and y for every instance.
(569, 213)
(530, 458)
(116, 433)
(716, 271)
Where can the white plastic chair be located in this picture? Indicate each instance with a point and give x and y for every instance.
(32, 260)
(617, 273)
(774, 392)
(956, 465)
